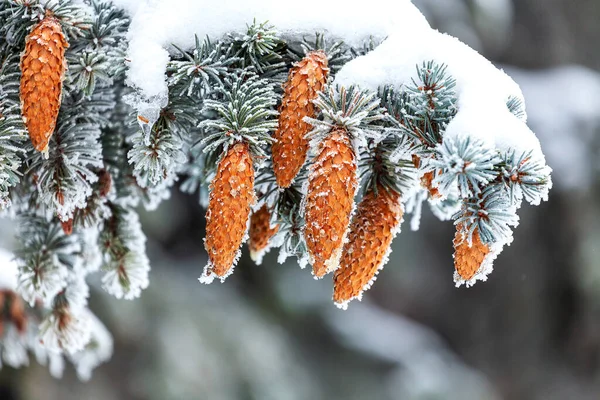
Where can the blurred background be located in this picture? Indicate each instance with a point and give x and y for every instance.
(532, 331)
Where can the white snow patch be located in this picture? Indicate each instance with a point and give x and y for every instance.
(8, 270)
(482, 89)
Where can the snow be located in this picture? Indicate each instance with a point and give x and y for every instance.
(98, 350)
(8, 271)
(65, 333)
(482, 89)
(157, 24)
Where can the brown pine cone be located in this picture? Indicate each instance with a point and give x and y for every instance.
(468, 259)
(17, 312)
(332, 184)
(43, 65)
(305, 80)
(104, 182)
(67, 226)
(377, 219)
(231, 196)
(260, 233)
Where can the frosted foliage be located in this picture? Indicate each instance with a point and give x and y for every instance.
(42, 280)
(56, 365)
(98, 350)
(464, 163)
(65, 330)
(156, 158)
(77, 152)
(14, 347)
(414, 206)
(128, 279)
(91, 258)
(77, 292)
(127, 268)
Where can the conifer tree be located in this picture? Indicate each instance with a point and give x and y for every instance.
(275, 132)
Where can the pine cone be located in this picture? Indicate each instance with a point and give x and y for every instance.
(43, 66)
(305, 80)
(17, 312)
(332, 184)
(468, 259)
(67, 226)
(261, 232)
(373, 227)
(231, 196)
(104, 182)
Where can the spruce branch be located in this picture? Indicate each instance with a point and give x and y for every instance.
(246, 114)
(387, 164)
(424, 108)
(18, 16)
(260, 48)
(44, 259)
(338, 53)
(517, 108)
(12, 129)
(198, 73)
(123, 246)
(464, 162)
(491, 214)
(348, 108)
(86, 69)
(525, 177)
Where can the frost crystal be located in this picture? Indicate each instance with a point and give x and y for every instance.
(65, 330)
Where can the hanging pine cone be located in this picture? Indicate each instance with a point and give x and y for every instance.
(260, 233)
(305, 80)
(67, 226)
(104, 182)
(332, 184)
(43, 66)
(377, 219)
(468, 259)
(12, 309)
(231, 196)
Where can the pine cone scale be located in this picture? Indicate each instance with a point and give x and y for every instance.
(231, 196)
(468, 259)
(261, 232)
(329, 203)
(43, 65)
(373, 226)
(305, 80)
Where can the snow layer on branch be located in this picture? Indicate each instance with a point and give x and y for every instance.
(482, 89)
(157, 24)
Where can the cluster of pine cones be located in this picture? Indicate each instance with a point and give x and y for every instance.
(354, 247)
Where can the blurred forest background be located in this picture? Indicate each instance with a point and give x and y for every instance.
(271, 332)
